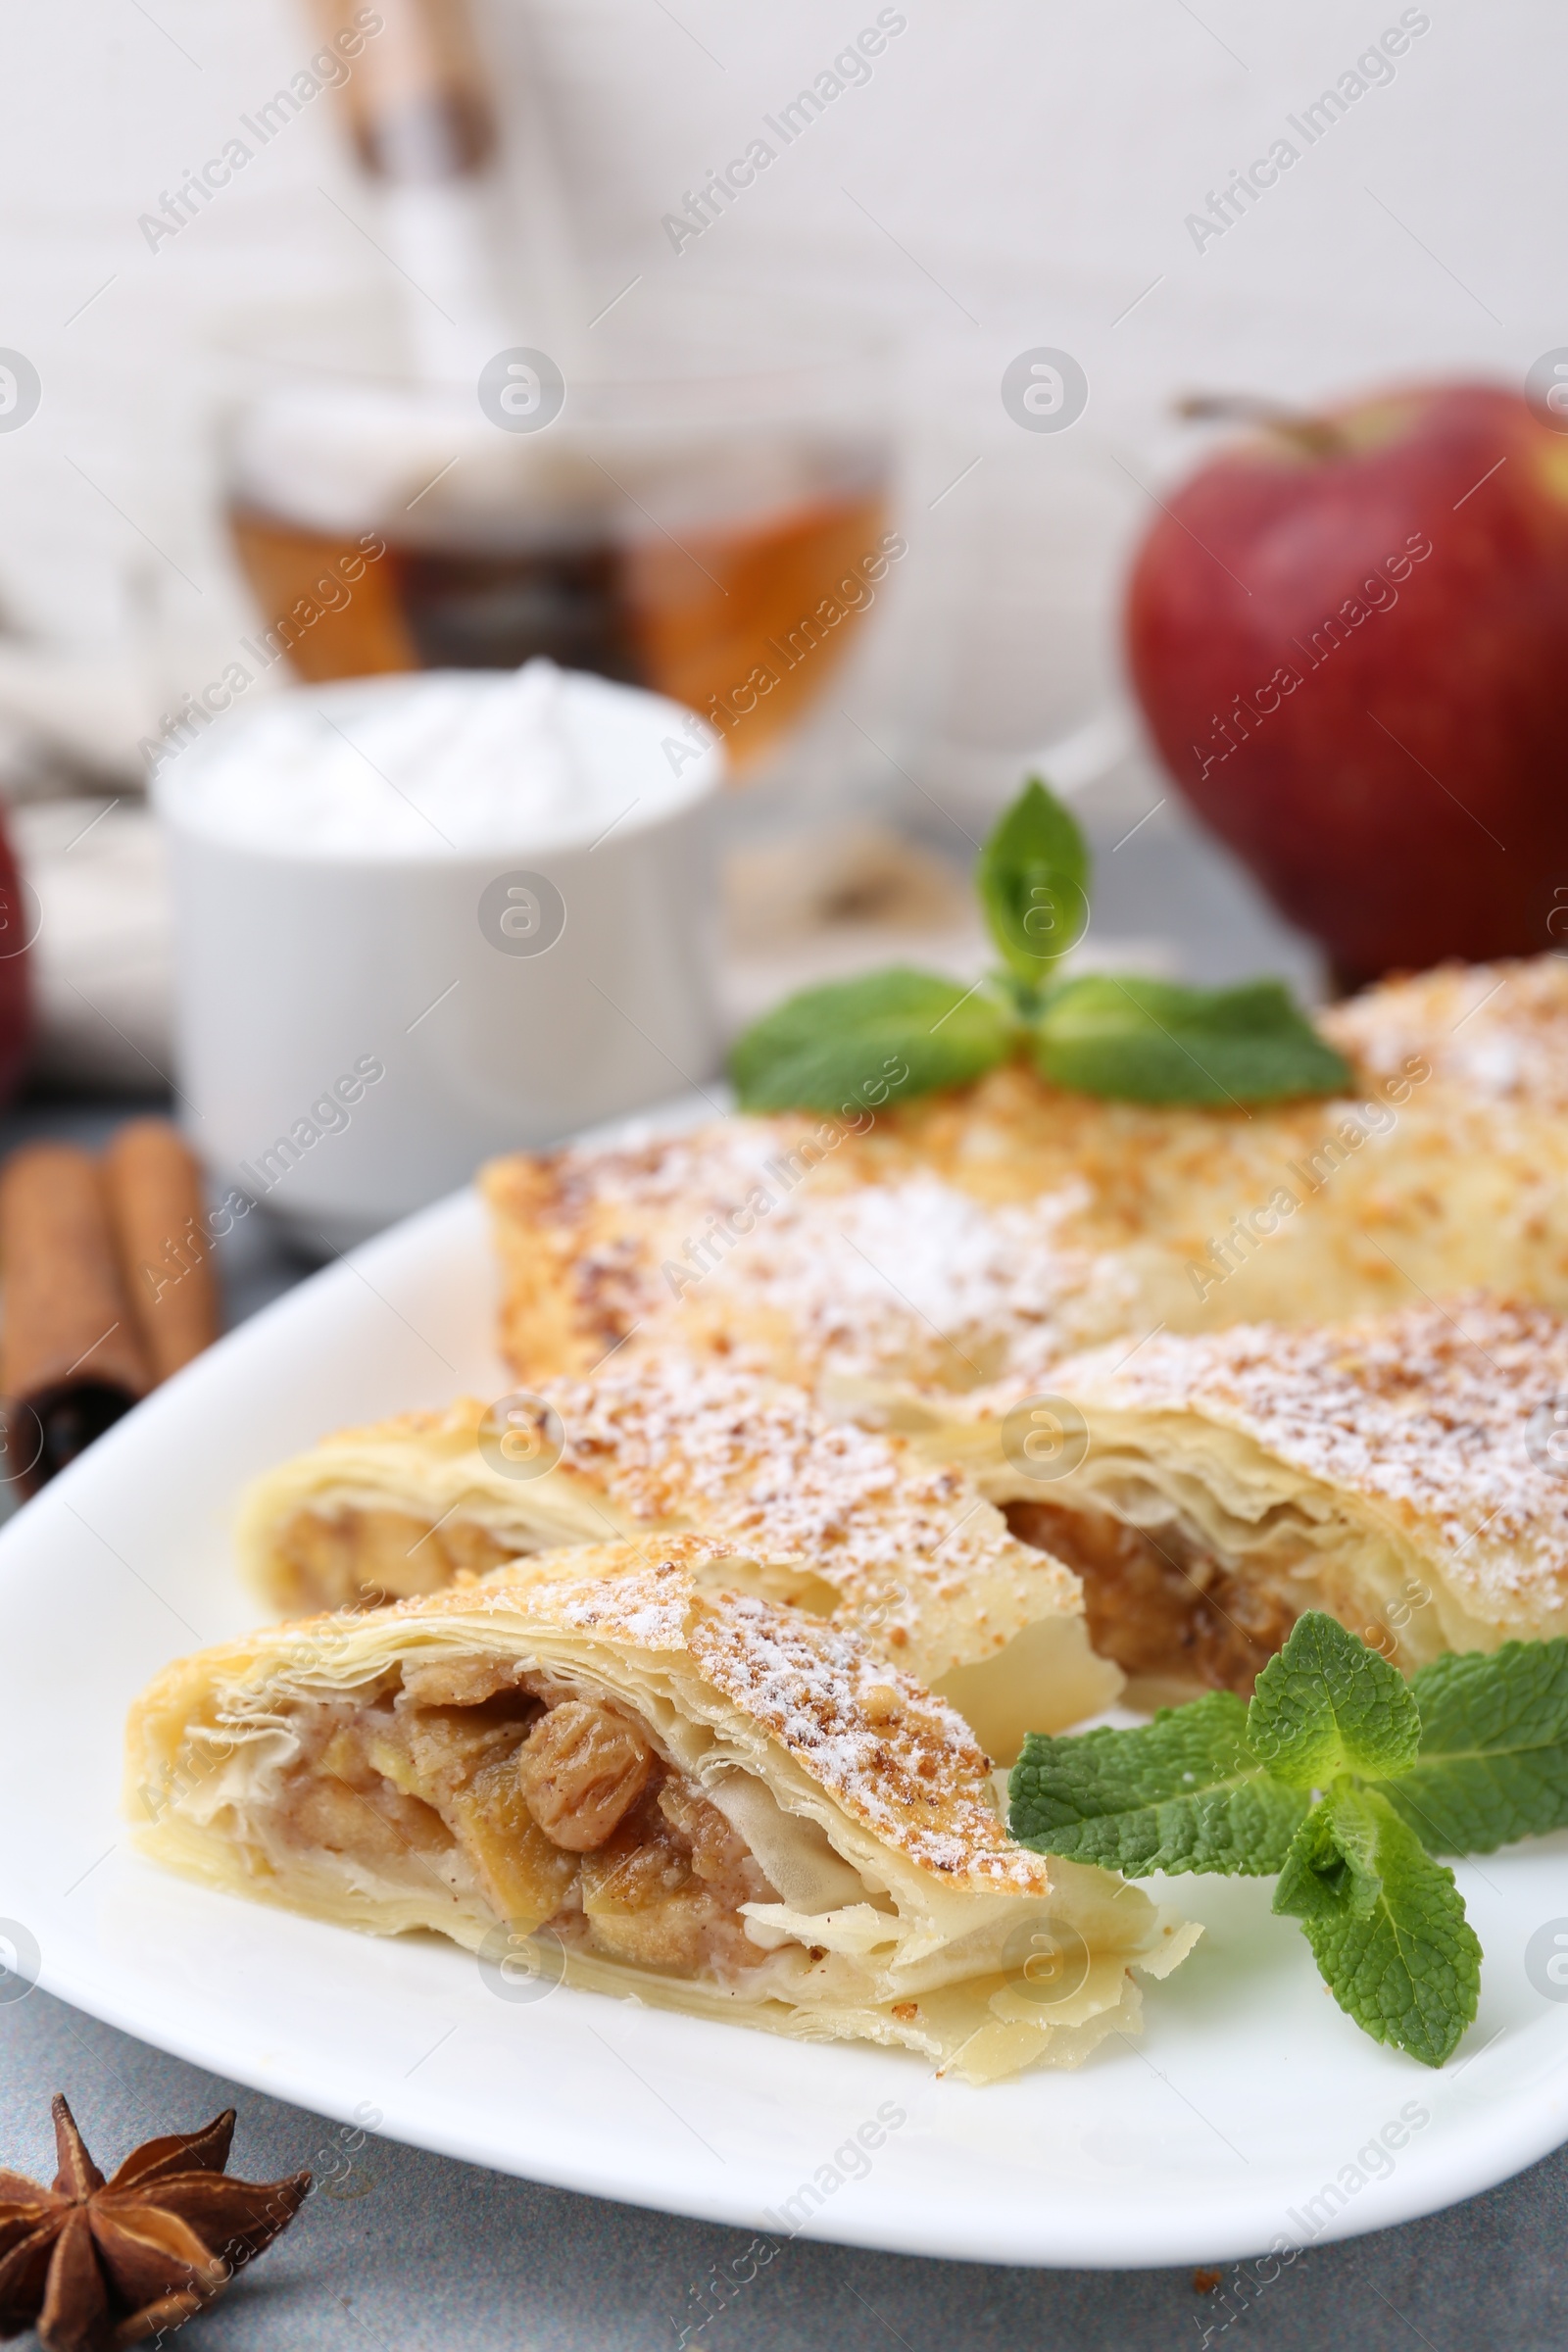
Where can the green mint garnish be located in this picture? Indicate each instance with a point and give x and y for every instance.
(1183, 1792)
(1493, 1760)
(1033, 881)
(1385, 1924)
(858, 1042)
(1345, 1780)
(1328, 1705)
(1128, 1038)
(1150, 1041)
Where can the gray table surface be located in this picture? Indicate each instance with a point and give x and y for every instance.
(412, 2251)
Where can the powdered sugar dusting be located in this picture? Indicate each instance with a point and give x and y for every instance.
(1433, 1412)
(897, 1758)
(647, 1607)
(920, 1277)
(1498, 1029)
(915, 1277)
(670, 1438)
(965, 1242)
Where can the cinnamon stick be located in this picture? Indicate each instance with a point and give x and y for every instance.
(154, 1186)
(72, 1358)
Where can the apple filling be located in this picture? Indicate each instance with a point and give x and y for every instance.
(361, 1556)
(553, 1807)
(358, 1555)
(1159, 1601)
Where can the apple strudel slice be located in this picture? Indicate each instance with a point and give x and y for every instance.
(1407, 1473)
(848, 1524)
(977, 1236)
(640, 1785)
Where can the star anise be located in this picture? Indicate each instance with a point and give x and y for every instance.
(96, 2263)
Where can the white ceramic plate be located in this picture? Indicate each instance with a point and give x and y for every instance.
(1249, 2112)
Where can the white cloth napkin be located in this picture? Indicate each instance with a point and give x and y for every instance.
(101, 967)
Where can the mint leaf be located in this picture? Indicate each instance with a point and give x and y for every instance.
(1033, 880)
(1328, 1705)
(1385, 1924)
(1183, 1792)
(1148, 1041)
(869, 1041)
(1493, 1760)
(901, 1033)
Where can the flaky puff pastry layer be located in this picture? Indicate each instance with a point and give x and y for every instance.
(848, 1524)
(973, 1238)
(1407, 1472)
(853, 1784)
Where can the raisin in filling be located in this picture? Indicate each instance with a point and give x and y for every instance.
(557, 1805)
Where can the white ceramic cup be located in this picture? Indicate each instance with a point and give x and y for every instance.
(356, 1032)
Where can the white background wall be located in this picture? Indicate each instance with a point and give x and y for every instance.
(1011, 175)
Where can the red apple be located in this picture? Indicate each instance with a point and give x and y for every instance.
(1350, 637)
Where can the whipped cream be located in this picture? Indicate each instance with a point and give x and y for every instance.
(439, 763)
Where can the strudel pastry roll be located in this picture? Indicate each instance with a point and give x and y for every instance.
(977, 1236)
(1407, 1473)
(845, 1523)
(645, 1787)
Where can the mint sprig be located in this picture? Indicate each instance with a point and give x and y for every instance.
(1346, 1782)
(906, 1033)
(1493, 1764)
(1139, 1040)
(1327, 1704)
(898, 1033)
(1184, 1793)
(1032, 878)
(1385, 1924)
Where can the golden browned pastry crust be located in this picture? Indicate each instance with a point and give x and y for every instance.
(1407, 1472)
(1497, 1031)
(699, 1798)
(848, 1523)
(973, 1238)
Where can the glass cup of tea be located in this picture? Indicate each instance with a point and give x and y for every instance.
(704, 520)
